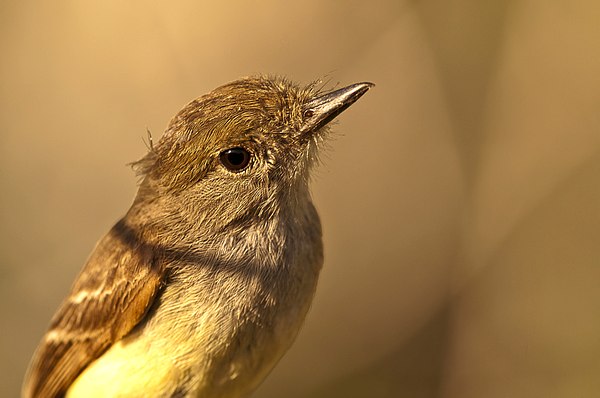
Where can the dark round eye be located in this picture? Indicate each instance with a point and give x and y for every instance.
(308, 113)
(235, 159)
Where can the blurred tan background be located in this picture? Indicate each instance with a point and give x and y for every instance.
(460, 201)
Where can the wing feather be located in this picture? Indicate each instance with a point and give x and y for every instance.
(110, 296)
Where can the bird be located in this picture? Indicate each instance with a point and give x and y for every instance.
(203, 285)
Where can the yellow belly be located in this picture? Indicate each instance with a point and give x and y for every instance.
(193, 352)
(127, 370)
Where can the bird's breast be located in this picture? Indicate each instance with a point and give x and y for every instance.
(223, 319)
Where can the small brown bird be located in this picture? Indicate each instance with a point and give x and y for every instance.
(203, 285)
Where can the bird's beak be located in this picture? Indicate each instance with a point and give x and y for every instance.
(323, 109)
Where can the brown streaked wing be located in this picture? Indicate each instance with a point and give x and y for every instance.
(110, 296)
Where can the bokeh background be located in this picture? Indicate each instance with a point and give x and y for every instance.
(460, 199)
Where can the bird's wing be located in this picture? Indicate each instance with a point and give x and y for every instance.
(111, 295)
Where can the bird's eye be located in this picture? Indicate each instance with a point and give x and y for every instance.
(308, 113)
(235, 159)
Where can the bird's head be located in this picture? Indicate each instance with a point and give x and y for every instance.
(246, 147)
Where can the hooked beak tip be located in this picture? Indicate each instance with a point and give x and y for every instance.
(324, 108)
